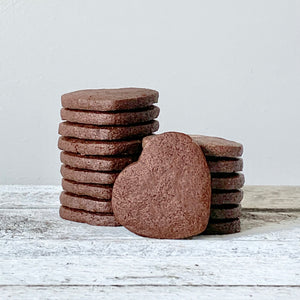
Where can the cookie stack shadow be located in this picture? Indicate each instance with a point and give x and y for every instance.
(101, 134)
(225, 163)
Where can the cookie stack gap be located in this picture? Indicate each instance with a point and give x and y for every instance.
(225, 163)
(101, 134)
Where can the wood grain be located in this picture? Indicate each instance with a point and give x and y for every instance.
(177, 270)
(83, 292)
(271, 197)
(255, 197)
(46, 224)
(43, 256)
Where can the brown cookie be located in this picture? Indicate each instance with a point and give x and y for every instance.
(229, 211)
(92, 218)
(167, 192)
(212, 146)
(93, 132)
(219, 197)
(87, 147)
(110, 118)
(215, 146)
(227, 181)
(109, 99)
(96, 163)
(85, 203)
(224, 164)
(223, 226)
(146, 139)
(87, 189)
(87, 176)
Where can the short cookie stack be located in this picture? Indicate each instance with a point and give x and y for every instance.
(101, 135)
(225, 164)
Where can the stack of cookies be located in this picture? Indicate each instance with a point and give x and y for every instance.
(225, 164)
(100, 136)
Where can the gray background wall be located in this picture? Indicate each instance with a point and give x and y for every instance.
(225, 68)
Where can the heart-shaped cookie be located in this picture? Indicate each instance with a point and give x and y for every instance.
(167, 192)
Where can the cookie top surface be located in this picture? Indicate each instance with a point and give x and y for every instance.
(94, 132)
(227, 181)
(126, 117)
(96, 163)
(85, 203)
(109, 99)
(91, 218)
(167, 192)
(88, 176)
(230, 211)
(223, 226)
(224, 165)
(221, 197)
(94, 147)
(87, 189)
(215, 146)
(212, 146)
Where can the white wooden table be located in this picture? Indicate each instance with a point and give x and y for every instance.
(45, 257)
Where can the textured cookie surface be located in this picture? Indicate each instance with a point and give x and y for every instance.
(215, 146)
(225, 211)
(87, 189)
(96, 163)
(85, 203)
(227, 181)
(167, 192)
(224, 164)
(88, 147)
(219, 197)
(110, 118)
(212, 146)
(97, 219)
(93, 132)
(223, 227)
(88, 176)
(109, 99)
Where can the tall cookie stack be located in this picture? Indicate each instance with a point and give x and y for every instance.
(225, 164)
(100, 136)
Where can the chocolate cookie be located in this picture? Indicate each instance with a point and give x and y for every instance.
(86, 147)
(110, 118)
(86, 189)
(96, 163)
(224, 164)
(223, 226)
(229, 211)
(167, 192)
(109, 99)
(93, 132)
(215, 146)
(227, 181)
(147, 138)
(92, 218)
(212, 146)
(87, 176)
(85, 203)
(219, 197)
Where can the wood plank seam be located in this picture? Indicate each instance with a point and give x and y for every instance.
(152, 285)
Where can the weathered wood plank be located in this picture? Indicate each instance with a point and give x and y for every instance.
(150, 292)
(29, 197)
(43, 256)
(177, 270)
(271, 197)
(46, 224)
(256, 197)
(210, 249)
